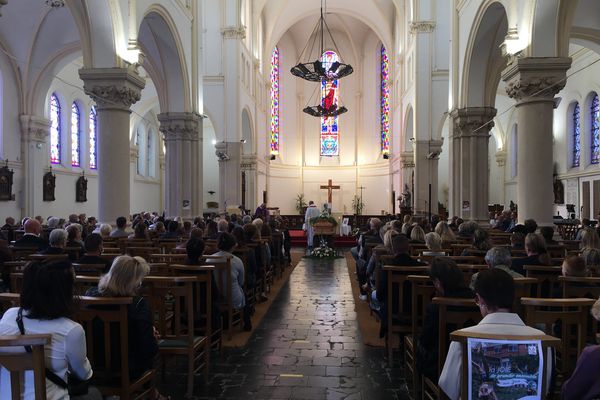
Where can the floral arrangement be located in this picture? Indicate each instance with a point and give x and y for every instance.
(323, 218)
(323, 251)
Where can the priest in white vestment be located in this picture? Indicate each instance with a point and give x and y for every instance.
(311, 211)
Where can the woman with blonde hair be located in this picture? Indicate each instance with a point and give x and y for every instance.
(445, 233)
(433, 241)
(124, 279)
(417, 234)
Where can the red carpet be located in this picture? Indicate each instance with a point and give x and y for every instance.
(299, 239)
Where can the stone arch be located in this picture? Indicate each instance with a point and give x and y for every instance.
(248, 146)
(165, 61)
(483, 59)
(550, 28)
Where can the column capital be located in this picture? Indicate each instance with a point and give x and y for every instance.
(34, 128)
(536, 78)
(234, 32)
(180, 126)
(249, 162)
(407, 159)
(501, 158)
(112, 88)
(473, 121)
(133, 152)
(421, 27)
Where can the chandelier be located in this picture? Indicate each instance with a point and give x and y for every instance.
(326, 72)
(55, 3)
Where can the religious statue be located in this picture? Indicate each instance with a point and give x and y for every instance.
(49, 184)
(406, 197)
(559, 191)
(81, 189)
(6, 181)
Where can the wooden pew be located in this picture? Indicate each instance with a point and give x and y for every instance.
(547, 276)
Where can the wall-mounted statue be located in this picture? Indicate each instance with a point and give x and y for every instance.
(81, 189)
(49, 185)
(6, 182)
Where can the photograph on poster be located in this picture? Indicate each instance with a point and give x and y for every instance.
(504, 369)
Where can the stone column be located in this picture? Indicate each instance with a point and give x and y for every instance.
(34, 133)
(533, 82)
(182, 133)
(407, 166)
(230, 176)
(426, 156)
(114, 90)
(470, 169)
(248, 166)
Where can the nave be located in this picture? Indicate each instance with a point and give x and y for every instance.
(307, 347)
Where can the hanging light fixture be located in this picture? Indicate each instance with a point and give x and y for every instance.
(55, 3)
(317, 71)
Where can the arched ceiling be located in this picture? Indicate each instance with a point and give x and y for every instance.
(279, 15)
(585, 29)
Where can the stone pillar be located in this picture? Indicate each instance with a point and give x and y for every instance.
(114, 90)
(426, 156)
(182, 133)
(248, 166)
(230, 176)
(34, 133)
(407, 166)
(533, 82)
(470, 169)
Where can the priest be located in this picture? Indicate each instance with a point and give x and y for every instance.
(311, 211)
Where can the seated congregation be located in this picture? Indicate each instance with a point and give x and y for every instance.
(436, 285)
(108, 304)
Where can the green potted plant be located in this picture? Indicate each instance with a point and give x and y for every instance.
(357, 205)
(301, 204)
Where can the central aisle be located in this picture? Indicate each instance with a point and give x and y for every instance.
(308, 346)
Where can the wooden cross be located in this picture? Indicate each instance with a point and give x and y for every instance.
(330, 188)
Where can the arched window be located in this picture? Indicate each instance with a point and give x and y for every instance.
(330, 92)
(576, 136)
(595, 131)
(93, 122)
(150, 153)
(75, 135)
(55, 129)
(275, 101)
(385, 102)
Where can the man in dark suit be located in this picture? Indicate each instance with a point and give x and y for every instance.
(93, 248)
(32, 238)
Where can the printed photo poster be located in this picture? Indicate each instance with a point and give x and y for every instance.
(505, 369)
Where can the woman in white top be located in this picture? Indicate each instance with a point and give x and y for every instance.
(47, 304)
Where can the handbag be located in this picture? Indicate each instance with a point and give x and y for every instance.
(74, 385)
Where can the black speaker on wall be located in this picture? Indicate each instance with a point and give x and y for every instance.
(265, 196)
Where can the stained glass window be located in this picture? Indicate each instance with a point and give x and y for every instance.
(93, 138)
(385, 102)
(275, 101)
(54, 129)
(576, 136)
(595, 114)
(330, 93)
(75, 135)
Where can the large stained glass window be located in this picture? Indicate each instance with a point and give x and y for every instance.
(75, 135)
(275, 101)
(54, 129)
(385, 102)
(576, 136)
(595, 132)
(330, 93)
(93, 123)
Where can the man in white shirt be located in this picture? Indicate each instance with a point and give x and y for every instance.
(494, 293)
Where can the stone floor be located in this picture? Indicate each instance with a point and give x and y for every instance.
(308, 346)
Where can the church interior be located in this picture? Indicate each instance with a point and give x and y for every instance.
(441, 141)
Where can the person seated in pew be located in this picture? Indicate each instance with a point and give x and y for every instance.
(535, 247)
(574, 266)
(74, 232)
(584, 383)
(47, 307)
(590, 239)
(195, 233)
(481, 242)
(592, 261)
(517, 241)
(467, 229)
(494, 294)
(212, 230)
(548, 233)
(8, 229)
(446, 234)
(57, 241)
(433, 241)
(225, 244)
(140, 232)
(172, 231)
(119, 231)
(93, 245)
(124, 279)
(585, 225)
(366, 276)
(449, 282)
(32, 238)
(194, 250)
(417, 235)
(401, 251)
(497, 257)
